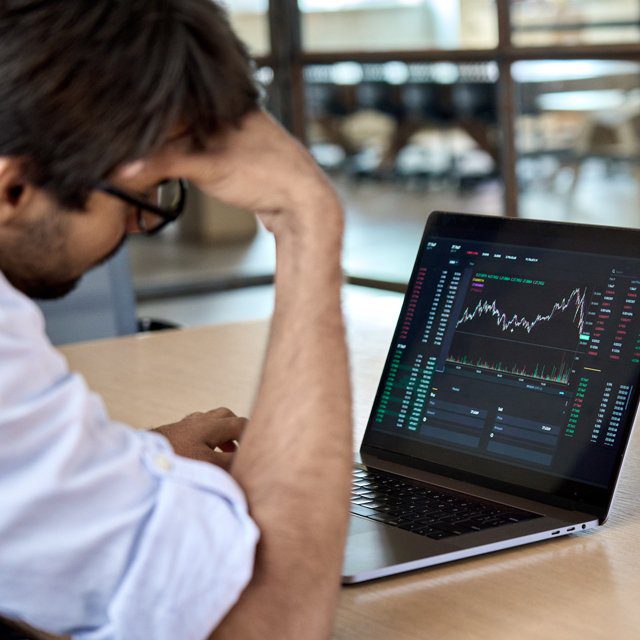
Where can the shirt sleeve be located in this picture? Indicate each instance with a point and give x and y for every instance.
(105, 532)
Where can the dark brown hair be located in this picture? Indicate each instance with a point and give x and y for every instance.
(88, 84)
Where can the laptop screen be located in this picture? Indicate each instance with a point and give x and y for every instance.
(517, 354)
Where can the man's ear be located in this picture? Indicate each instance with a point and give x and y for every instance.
(13, 189)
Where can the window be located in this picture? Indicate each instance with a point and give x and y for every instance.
(578, 139)
(567, 22)
(249, 19)
(375, 25)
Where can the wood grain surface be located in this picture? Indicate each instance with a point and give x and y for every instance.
(582, 586)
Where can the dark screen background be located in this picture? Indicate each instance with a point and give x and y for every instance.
(511, 357)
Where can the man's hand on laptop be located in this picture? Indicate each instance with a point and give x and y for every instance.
(210, 437)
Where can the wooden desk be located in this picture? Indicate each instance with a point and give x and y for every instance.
(582, 586)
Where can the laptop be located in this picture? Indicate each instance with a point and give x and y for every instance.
(508, 395)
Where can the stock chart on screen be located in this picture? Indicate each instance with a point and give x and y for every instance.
(517, 354)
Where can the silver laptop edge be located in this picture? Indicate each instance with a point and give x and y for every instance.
(423, 563)
(375, 550)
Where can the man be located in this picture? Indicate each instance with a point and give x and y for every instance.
(110, 533)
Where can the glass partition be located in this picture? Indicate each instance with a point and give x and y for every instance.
(376, 25)
(568, 22)
(401, 140)
(250, 22)
(578, 140)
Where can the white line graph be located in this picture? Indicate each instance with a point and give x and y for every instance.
(506, 323)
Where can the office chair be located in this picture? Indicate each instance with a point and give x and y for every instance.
(102, 306)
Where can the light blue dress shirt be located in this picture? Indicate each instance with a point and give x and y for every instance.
(105, 533)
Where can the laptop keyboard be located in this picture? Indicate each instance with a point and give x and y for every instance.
(429, 511)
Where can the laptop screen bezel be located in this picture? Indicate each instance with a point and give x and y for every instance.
(604, 241)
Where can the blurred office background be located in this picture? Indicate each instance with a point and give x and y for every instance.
(524, 108)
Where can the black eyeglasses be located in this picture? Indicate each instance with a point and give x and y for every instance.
(167, 206)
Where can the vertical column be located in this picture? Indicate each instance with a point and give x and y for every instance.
(286, 53)
(506, 111)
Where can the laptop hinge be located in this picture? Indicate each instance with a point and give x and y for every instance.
(398, 464)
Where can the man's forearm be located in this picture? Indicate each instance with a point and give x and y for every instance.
(295, 459)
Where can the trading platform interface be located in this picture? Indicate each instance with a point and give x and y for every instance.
(519, 355)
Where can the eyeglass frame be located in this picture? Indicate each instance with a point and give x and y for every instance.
(167, 216)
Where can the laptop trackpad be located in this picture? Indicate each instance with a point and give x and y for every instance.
(359, 525)
(371, 546)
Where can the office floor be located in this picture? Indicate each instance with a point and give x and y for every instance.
(190, 283)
